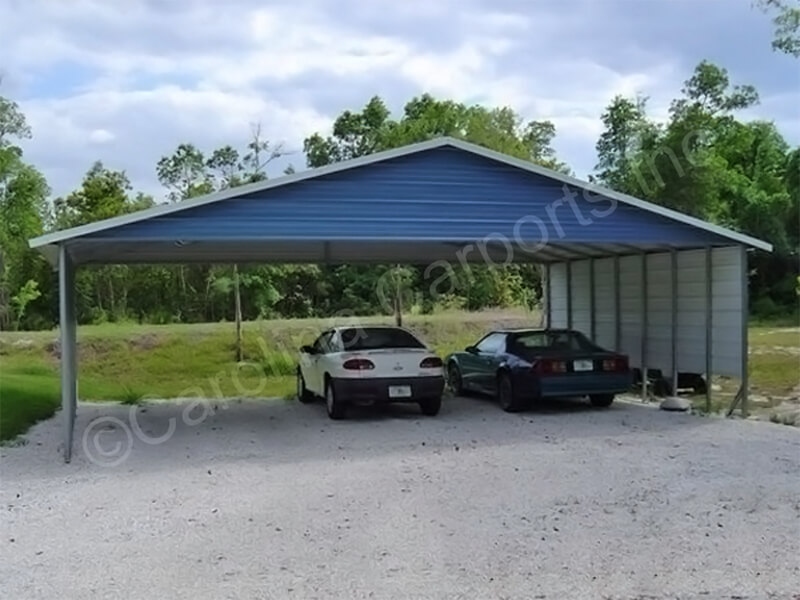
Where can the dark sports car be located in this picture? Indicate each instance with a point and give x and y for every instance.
(524, 365)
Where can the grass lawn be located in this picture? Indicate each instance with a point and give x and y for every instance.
(130, 362)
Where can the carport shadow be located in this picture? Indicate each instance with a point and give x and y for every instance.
(169, 435)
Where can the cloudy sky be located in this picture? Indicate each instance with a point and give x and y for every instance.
(126, 81)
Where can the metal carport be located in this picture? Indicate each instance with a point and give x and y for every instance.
(669, 289)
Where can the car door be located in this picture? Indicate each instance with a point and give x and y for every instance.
(477, 364)
(312, 365)
(488, 360)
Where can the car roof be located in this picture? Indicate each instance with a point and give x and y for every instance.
(521, 330)
(367, 326)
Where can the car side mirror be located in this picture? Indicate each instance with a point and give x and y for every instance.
(471, 349)
(307, 349)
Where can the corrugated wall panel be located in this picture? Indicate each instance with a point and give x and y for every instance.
(726, 333)
(558, 295)
(604, 310)
(691, 311)
(581, 297)
(659, 312)
(630, 303)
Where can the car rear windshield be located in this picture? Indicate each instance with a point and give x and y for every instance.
(375, 338)
(553, 341)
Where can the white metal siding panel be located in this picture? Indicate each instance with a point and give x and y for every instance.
(691, 311)
(605, 326)
(726, 334)
(659, 313)
(630, 303)
(558, 294)
(581, 297)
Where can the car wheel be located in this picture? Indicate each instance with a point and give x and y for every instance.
(336, 408)
(430, 406)
(454, 379)
(601, 400)
(505, 394)
(302, 391)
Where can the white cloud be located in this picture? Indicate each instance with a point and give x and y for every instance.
(127, 82)
(101, 136)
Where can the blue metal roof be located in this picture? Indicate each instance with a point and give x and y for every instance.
(442, 193)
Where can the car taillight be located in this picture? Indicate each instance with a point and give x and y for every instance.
(358, 364)
(431, 362)
(620, 363)
(545, 366)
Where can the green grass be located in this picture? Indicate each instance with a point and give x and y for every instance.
(24, 400)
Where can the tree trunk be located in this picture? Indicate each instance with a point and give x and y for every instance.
(398, 302)
(237, 299)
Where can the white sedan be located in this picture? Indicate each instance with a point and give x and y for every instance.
(369, 365)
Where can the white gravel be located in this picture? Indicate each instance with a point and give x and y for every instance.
(273, 500)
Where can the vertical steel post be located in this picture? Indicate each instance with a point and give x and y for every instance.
(617, 309)
(548, 297)
(569, 294)
(674, 321)
(592, 296)
(644, 327)
(709, 323)
(69, 379)
(745, 317)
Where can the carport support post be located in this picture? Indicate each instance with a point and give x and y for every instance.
(68, 327)
(709, 317)
(548, 298)
(674, 320)
(644, 328)
(745, 317)
(569, 294)
(592, 324)
(617, 309)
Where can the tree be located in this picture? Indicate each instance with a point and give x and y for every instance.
(260, 154)
(103, 194)
(626, 129)
(227, 168)
(787, 25)
(23, 209)
(184, 173)
(12, 123)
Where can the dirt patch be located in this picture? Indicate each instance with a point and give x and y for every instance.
(87, 350)
(147, 341)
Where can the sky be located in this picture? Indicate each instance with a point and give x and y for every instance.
(126, 81)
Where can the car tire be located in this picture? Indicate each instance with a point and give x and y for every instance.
(506, 396)
(601, 400)
(336, 408)
(430, 406)
(303, 395)
(454, 380)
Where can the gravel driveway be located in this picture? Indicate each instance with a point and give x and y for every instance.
(273, 500)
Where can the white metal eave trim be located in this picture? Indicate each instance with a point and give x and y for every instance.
(156, 211)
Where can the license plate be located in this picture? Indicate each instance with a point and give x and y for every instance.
(399, 391)
(583, 365)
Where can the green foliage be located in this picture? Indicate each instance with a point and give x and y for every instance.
(372, 130)
(24, 296)
(786, 20)
(23, 213)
